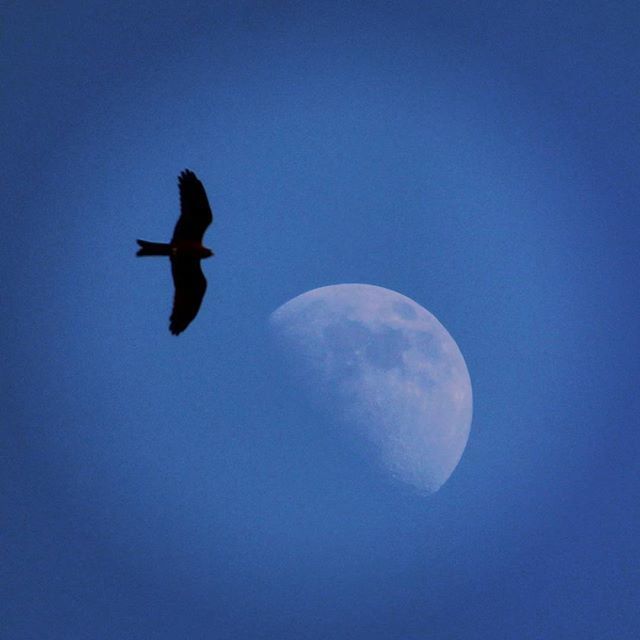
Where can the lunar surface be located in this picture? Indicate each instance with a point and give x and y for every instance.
(392, 372)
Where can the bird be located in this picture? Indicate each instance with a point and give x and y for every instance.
(185, 251)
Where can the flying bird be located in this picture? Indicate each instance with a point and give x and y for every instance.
(185, 251)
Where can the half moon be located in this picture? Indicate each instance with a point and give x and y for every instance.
(391, 369)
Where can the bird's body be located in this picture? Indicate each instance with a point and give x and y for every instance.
(185, 251)
(173, 249)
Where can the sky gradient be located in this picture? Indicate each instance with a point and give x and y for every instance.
(479, 158)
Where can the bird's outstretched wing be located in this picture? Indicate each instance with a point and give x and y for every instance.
(195, 212)
(190, 285)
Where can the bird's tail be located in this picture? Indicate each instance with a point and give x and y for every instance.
(153, 248)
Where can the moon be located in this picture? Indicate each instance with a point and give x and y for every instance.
(390, 369)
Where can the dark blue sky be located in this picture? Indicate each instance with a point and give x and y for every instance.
(480, 158)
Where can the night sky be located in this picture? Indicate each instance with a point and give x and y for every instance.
(480, 158)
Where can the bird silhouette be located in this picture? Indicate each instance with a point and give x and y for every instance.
(185, 251)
